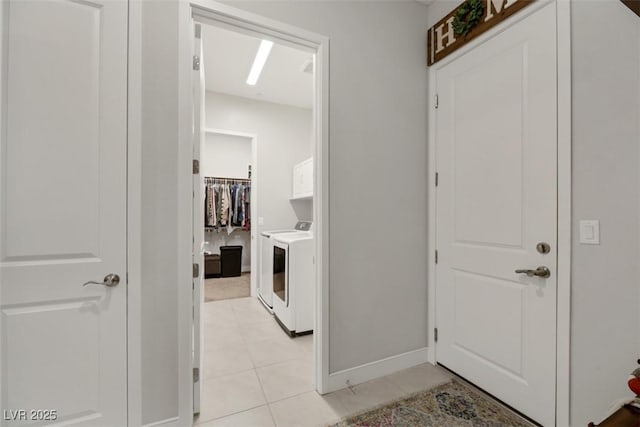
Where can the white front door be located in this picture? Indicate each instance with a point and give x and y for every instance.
(496, 201)
(63, 212)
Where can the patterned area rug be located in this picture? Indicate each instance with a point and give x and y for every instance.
(449, 405)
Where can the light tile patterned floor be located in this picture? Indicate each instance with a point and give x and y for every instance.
(256, 376)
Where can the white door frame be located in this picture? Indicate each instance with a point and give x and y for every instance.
(213, 12)
(563, 9)
(254, 195)
(240, 21)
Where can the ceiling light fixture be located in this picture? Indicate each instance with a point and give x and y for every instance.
(258, 63)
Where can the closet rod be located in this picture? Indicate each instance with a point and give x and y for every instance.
(216, 178)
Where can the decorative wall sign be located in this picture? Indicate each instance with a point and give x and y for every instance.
(466, 22)
(633, 5)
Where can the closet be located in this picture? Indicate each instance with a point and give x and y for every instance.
(226, 174)
(227, 204)
(227, 208)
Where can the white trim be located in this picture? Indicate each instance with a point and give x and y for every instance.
(254, 201)
(230, 132)
(377, 369)
(134, 216)
(213, 12)
(564, 194)
(165, 422)
(4, 52)
(250, 23)
(184, 200)
(563, 333)
(321, 213)
(431, 213)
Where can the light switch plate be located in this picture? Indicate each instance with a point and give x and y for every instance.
(260, 220)
(590, 232)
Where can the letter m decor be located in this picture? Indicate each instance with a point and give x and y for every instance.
(466, 22)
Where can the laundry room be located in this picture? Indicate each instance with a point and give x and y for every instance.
(256, 299)
(254, 137)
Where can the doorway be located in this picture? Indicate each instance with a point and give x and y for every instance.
(227, 166)
(245, 340)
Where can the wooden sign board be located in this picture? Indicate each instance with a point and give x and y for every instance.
(634, 5)
(442, 38)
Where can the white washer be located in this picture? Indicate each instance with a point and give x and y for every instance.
(265, 282)
(294, 282)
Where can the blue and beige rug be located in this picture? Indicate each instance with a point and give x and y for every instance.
(449, 405)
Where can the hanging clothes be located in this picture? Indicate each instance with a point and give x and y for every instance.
(210, 212)
(227, 204)
(247, 216)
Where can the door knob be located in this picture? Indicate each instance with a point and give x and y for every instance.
(538, 272)
(109, 280)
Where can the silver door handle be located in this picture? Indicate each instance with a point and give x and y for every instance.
(538, 272)
(109, 280)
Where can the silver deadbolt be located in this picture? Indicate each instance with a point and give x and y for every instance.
(543, 248)
(109, 281)
(538, 272)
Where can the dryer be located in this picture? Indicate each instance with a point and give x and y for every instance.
(294, 282)
(265, 282)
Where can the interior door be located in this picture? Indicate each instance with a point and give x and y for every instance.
(198, 217)
(496, 201)
(63, 212)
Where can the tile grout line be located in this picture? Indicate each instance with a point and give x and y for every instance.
(235, 313)
(273, 419)
(265, 397)
(230, 414)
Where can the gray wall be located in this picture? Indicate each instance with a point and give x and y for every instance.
(377, 172)
(605, 333)
(159, 212)
(378, 109)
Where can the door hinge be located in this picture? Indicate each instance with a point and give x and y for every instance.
(196, 270)
(196, 375)
(196, 62)
(437, 176)
(435, 334)
(435, 101)
(196, 167)
(436, 257)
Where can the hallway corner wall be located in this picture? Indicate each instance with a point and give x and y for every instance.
(377, 166)
(605, 329)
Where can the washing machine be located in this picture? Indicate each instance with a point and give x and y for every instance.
(265, 282)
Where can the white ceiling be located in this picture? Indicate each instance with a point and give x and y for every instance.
(228, 57)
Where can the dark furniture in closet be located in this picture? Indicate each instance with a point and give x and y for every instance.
(231, 260)
(212, 266)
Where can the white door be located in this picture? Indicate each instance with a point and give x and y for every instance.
(496, 200)
(63, 212)
(198, 218)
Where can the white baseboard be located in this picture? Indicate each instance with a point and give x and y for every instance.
(379, 368)
(166, 422)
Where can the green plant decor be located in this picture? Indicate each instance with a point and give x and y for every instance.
(467, 17)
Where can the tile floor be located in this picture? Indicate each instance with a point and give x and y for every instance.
(256, 376)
